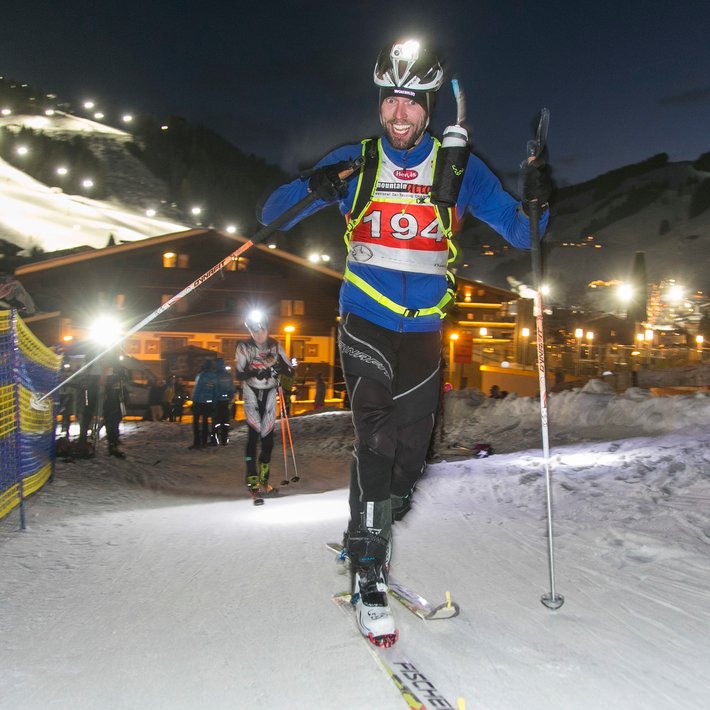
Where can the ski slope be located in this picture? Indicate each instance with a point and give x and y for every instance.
(33, 214)
(154, 582)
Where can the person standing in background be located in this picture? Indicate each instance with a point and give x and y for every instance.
(203, 398)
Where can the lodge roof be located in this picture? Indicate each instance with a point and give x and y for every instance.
(151, 242)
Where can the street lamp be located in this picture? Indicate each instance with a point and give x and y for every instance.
(453, 337)
(699, 340)
(287, 345)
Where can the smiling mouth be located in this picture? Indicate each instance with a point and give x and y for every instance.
(401, 129)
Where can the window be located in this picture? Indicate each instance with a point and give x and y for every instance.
(298, 349)
(169, 345)
(293, 308)
(120, 301)
(171, 260)
(241, 263)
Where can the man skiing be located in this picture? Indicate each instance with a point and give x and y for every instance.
(393, 298)
(259, 361)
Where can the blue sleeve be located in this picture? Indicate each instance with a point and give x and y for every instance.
(484, 197)
(288, 195)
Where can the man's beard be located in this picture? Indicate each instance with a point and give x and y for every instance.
(408, 141)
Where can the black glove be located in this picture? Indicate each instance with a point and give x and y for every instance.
(263, 373)
(325, 183)
(534, 182)
(282, 368)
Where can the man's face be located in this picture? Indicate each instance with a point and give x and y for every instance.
(260, 335)
(404, 121)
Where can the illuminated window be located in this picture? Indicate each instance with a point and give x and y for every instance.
(241, 263)
(299, 308)
(171, 260)
(120, 301)
(286, 307)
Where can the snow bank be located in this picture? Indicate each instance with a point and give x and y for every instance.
(592, 412)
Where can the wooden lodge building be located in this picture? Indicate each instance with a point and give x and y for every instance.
(131, 280)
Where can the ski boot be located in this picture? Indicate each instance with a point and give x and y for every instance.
(368, 548)
(401, 505)
(367, 553)
(113, 450)
(266, 488)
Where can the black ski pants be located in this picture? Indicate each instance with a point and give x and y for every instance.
(393, 385)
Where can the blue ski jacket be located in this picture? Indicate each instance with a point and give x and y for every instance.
(481, 194)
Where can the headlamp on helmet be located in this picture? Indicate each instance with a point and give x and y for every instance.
(256, 320)
(408, 65)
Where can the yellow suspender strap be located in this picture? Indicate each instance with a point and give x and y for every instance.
(388, 303)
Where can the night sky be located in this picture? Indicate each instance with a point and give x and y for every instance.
(290, 80)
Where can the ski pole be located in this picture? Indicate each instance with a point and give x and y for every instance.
(551, 599)
(296, 478)
(285, 481)
(262, 234)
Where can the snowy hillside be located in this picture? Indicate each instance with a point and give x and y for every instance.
(154, 582)
(682, 252)
(590, 238)
(33, 214)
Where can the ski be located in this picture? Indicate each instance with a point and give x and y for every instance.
(260, 494)
(256, 498)
(416, 603)
(413, 685)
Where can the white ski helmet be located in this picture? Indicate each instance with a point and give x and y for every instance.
(407, 65)
(256, 320)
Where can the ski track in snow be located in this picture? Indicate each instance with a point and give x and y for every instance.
(154, 582)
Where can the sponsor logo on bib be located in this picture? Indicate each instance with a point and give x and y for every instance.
(406, 174)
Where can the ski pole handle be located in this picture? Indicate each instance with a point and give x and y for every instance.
(353, 167)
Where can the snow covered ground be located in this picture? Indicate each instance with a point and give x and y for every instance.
(154, 582)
